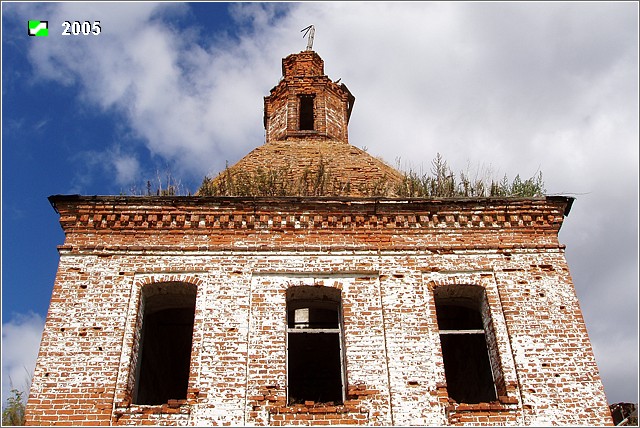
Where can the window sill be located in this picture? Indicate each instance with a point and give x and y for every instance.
(495, 406)
(305, 133)
(314, 408)
(171, 407)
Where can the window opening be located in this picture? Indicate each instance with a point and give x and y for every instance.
(306, 113)
(465, 352)
(315, 362)
(164, 355)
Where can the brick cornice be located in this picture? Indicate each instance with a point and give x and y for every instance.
(195, 213)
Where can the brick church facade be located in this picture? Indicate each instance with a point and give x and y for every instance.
(348, 309)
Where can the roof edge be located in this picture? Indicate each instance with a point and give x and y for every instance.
(54, 200)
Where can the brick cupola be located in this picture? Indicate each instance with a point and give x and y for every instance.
(306, 103)
(306, 150)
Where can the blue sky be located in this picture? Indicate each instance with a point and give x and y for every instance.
(506, 88)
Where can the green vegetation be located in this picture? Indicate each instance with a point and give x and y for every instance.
(13, 412)
(275, 182)
(441, 182)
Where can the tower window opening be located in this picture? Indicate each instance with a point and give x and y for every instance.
(306, 113)
(465, 353)
(315, 361)
(165, 341)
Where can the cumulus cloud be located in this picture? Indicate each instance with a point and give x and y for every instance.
(20, 342)
(518, 87)
(188, 103)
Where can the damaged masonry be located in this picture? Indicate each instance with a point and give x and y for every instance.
(314, 310)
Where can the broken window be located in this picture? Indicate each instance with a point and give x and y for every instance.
(306, 113)
(463, 329)
(165, 340)
(315, 362)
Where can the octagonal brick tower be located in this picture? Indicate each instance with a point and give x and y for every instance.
(306, 103)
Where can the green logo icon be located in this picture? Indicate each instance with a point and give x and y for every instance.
(39, 28)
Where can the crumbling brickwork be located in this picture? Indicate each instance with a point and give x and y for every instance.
(385, 256)
(348, 169)
(374, 286)
(303, 75)
(319, 150)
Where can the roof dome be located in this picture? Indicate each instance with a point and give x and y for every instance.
(305, 167)
(306, 152)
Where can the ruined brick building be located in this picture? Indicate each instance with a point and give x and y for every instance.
(300, 310)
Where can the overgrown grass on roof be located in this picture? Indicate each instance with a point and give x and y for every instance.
(319, 181)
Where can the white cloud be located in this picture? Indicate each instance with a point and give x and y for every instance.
(127, 168)
(20, 342)
(113, 161)
(520, 87)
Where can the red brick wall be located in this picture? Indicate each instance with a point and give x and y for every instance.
(387, 257)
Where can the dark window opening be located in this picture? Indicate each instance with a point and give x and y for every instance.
(315, 360)
(306, 113)
(454, 317)
(465, 352)
(314, 368)
(165, 343)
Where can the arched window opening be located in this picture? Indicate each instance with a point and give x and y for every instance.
(315, 362)
(306, 113)
(465, 353)
(165, 341)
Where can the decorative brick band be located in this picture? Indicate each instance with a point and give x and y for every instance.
(206, 214)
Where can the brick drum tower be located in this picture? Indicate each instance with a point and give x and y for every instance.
(326, 302)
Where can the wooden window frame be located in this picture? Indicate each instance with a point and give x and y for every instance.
(339, 330)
